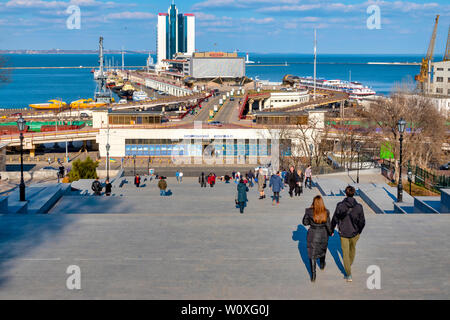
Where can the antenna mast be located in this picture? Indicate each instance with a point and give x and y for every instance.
(315, 62)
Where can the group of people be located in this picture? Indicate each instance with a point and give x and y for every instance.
(210, 179)
(179, 176)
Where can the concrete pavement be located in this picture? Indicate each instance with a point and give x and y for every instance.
(196, 245)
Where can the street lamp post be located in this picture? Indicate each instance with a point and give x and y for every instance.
(21, 124)
(401, 129)
(358, 150)
(410, 181)
(107, 161)
(311, 148)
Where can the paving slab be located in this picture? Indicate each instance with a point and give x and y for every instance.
(196, 245)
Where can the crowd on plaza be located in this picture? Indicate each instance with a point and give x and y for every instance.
(348, 216)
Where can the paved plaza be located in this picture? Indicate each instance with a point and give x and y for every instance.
(196, 245)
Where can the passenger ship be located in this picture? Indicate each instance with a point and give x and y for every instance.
(356, 90)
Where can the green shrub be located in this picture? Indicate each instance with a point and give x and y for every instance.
(86, 169)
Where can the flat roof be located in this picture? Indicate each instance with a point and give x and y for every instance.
(135, 112)
(279, 114)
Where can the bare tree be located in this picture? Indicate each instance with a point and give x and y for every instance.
(426, 133)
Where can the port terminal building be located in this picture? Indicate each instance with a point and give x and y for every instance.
(208, 65)
(141, 134)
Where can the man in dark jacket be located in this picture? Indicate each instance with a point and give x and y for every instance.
(108, 188)
(202, 180)
(97, 187)
(292, 179)
(349, 217)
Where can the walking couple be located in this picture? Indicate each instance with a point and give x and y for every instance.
(348, 216)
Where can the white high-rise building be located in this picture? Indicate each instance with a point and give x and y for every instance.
(176, 34)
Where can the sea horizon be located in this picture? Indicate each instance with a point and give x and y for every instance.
(29, 86)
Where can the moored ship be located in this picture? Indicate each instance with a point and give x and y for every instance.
(50, 105)
(356, 90)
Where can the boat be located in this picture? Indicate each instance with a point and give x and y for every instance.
(127, 91)
(86, 104)
(356, 90)
(140, 95)
(118, 85)
(50, 105)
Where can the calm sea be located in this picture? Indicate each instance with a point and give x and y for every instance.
(37, 86)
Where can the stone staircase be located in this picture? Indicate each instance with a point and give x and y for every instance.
(39, 199)
(382, 198)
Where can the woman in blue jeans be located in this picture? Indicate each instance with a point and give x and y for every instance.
(242, 190)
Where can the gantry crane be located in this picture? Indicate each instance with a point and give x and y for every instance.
(447, 48)
(423, 77)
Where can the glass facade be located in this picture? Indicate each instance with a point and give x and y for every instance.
(176, 32)
(130, 119)
(197, 148)
(172, 32)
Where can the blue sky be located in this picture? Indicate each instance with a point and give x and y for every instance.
(263, 26)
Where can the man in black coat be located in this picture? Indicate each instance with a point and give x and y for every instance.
(349, 217)
(292, 179)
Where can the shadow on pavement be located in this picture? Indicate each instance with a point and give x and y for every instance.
(334, 246)
(300, 236)
(21, 235)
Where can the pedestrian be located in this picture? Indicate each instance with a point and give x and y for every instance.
(238, 175)
(242, 190)
(211, 180)
(108, 188)
(251, 176)
(261, 180)
(181, 176)
(177, 175)
(137, 180)
(283, 174)
(308, 175)
(292, 179)
(202, 180)
(276, 183)
(162, 185)
(349, 217)
(227, 178)
(49, 160)
(299, 186)
(97, 187)
(233, 174)
(317, 217)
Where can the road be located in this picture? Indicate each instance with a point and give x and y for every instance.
(225, 114)
(203, 115)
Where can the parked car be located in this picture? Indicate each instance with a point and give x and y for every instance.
(445, 166)
(84, 115)
(232, 99)
(215, 123)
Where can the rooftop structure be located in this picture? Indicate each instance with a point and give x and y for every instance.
(208, 65)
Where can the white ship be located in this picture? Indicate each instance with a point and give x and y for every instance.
(356, 90)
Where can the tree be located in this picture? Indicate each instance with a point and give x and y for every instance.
(425, 134)
(86, 169)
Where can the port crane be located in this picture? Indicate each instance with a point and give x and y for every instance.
(447, 48)
(424, 77)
